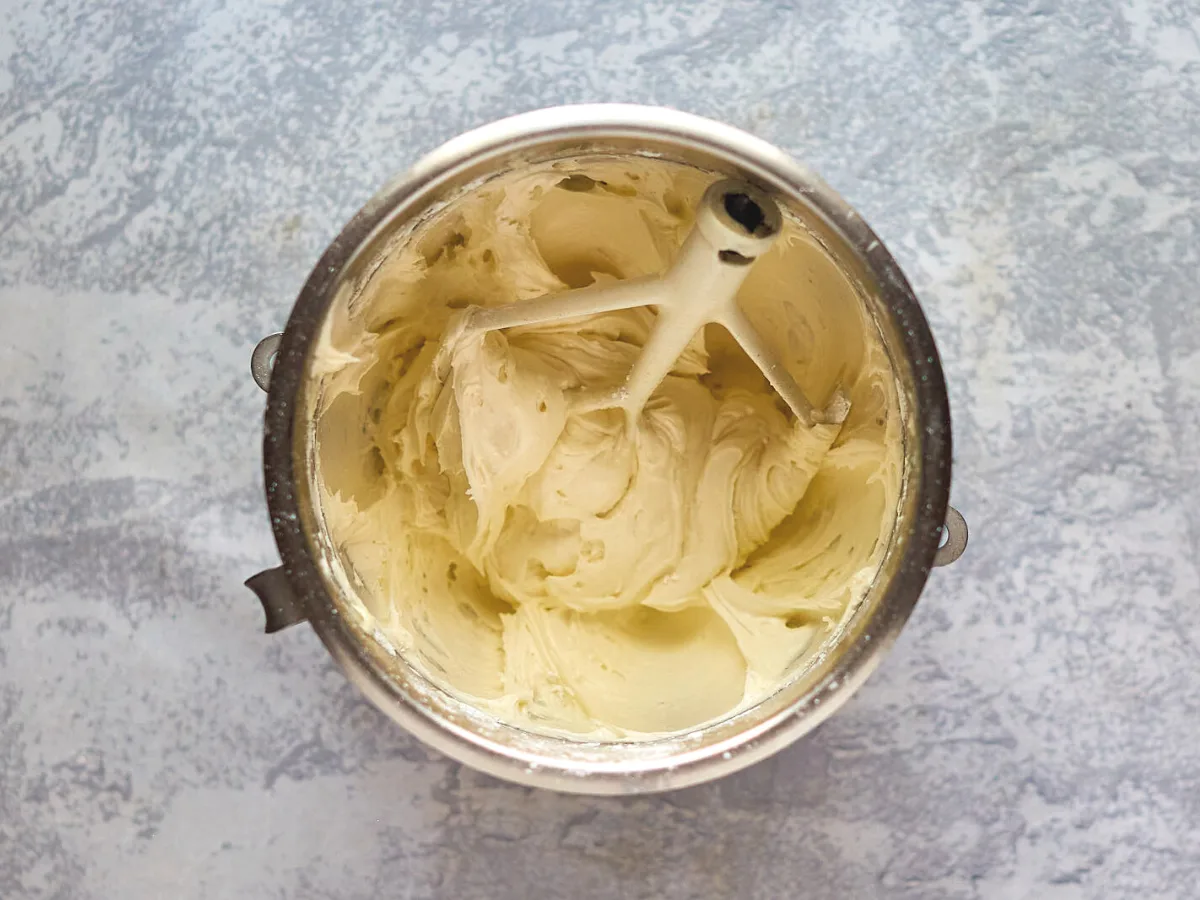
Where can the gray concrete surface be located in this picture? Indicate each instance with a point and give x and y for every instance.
(169, 173)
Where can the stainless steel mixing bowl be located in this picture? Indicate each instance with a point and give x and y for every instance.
(303, 588)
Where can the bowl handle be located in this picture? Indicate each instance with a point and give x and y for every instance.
(956, 538)
(263, 358)
(278, 601)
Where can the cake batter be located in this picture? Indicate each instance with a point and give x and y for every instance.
(530, 549)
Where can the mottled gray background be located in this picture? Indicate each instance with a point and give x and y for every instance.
(170, 171)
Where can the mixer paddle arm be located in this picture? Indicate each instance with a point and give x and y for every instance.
(735, 224)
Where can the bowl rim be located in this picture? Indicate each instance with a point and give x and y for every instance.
(930, 415)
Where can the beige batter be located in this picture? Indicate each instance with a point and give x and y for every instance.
(534, 554)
